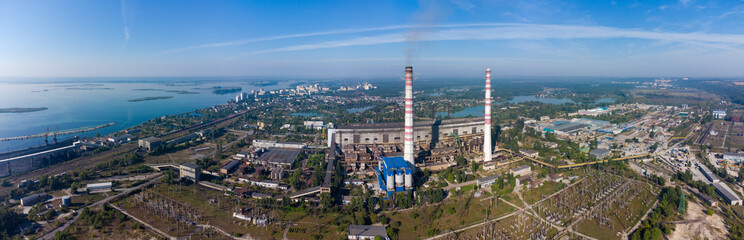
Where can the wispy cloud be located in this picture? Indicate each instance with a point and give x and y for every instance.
(507, 31)
(124, 22)
(316, 34)
(300, 35)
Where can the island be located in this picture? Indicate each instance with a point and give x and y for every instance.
(148, 98)
(181, 92)
(21, 110)
(225, 90)
(170, 91)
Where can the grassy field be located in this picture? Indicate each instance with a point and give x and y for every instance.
(215, 208)
(533, 195)
(621, 217)
(514, 227)
(455, 213)
(119, 228)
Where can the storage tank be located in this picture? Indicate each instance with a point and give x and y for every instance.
(389, 182)
(409, 180)
(66, 201)
(399, 182)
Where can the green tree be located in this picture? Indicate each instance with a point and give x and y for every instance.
(326, 201)
(63, 235)
(460, 160)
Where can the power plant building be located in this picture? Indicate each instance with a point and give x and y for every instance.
(395, 174)
(425, 132)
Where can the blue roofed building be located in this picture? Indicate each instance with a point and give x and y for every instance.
(394, 175)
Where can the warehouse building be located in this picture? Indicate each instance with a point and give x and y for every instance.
(367, 232)
(727, 194)
(488, 181)
(565, 127)
(277, 144)
(33, 199)
(279, 157)
(708, 174)
(523, 170)
(99, 186)
(229, 167)
(600, 153)
(736, 157)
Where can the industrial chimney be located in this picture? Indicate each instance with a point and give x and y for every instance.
(487, 128)
(408, 145)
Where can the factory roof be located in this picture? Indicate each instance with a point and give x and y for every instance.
(98, 185)
(489, 178)
(367, 231)
(284, 156)
(415, 124)
(593, 122)
(520, 168)
(395, 162)
(568, 126)
(734, 154)
(232, 164)
(600, 152)
(151, 139)
(190, 165)
(33, 197)
(726, 192)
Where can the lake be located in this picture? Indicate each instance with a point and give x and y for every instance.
(83, 104)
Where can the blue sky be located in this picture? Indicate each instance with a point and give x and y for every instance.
(370, 39)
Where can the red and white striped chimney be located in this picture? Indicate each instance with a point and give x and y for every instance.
(487, 126)
(408, 145)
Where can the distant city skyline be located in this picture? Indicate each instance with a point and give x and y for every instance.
(371, 39)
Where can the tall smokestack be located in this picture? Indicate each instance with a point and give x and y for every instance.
(487, 128)
(408, 145)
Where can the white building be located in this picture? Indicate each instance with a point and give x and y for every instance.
(737, 157)
(523, 170)
(317, 125)
(595, 111)
(367, 232)
(719, 114)
(269, 144)
(99, 186)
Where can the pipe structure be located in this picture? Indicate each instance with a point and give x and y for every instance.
(408, 144)
(487, 151)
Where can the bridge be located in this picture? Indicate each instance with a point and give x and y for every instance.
(585, 163)
(325, 187)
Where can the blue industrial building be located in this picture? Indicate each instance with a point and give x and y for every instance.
(394, 175)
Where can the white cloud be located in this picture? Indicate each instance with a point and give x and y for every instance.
(504, 31)
(126, 37)
(322, 33)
